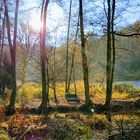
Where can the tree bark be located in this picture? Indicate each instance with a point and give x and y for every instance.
(84, 57)
(43, 105)
(108, 68)
(13, 60)
(12, 48)
(73, 57)
(54, 76)
(67, 53)
(110, 54)
(113, 45)
(3, 33)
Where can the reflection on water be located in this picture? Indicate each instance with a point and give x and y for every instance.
(134, 83)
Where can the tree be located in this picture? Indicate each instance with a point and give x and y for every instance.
(72, 71)
(12, 48)
(67, 62)
(5, 74)
(128, 67)
(27, 43)
(2, 30)
(110, 55)
(43, 105)
(2, 80)
(54, 75)
(111, 49)
(83, 53)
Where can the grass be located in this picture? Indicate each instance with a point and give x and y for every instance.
(73, 124)
(29, 92)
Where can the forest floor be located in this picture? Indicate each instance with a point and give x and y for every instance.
(65, 121)
(68, 121)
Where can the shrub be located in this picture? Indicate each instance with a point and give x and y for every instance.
(1, 101)
(124, 88)
(69, 129)
(4, 137)
(100, 122)
(29, 92)
(117, 95)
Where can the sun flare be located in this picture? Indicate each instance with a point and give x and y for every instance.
(35, 21)
(54, 18)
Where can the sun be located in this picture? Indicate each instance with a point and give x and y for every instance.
(35, 21)
(55, 16)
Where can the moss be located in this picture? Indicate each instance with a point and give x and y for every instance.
(1, 101)
(69, 129)
(4, 137)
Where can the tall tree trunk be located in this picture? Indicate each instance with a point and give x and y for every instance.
(1, 28)
(3, 33)
(75, 87)
(43, 105)
(13, 60)
(54, 76)
(108, 69)
(67, 54)
(110, 55)
(84, 57)
(12, 48)
(2, 69)
(73, 56)
(113, 44)
(48, 79)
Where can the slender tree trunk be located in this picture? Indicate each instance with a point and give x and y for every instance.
(73, 56)
(67, 54)
(75, 87)
(1, 36)
(72, 66)
(12, 53)
(108, 69)
(113, 44)
(48, 79)
(54, 77)
(110, 55)
(8, 27)
(13, 95)
(43, 105)
(0, 28)
(3, 33)
(84, 57)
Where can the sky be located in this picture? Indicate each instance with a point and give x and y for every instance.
(55, 27)
(57, 20)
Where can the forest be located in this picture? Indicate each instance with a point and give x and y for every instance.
(69, 70)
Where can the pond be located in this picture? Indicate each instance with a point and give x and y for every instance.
(134, 83)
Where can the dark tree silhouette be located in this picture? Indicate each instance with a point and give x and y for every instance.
(12, 47)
